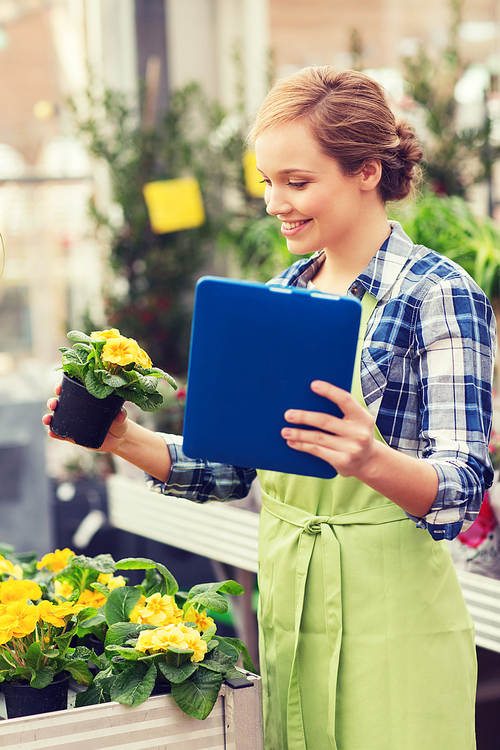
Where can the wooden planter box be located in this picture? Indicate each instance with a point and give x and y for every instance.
(157, 724)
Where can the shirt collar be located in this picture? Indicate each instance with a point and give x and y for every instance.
(385, 267)
(377, 278)
(380, 274)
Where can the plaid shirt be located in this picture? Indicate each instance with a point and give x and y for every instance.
(426, 375)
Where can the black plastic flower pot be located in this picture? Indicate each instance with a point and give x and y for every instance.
(24, 700)
(83, 417)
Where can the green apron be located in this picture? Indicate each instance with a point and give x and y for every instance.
(365, 639)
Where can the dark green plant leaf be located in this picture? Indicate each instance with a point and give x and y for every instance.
(123, 631)
(78, 336)
(197, 695)
(176, 674)
(241, 648)
(115, 381)
(143, 563)
(145, 401)
(100, 563)
(225, 650)
(178, 656)
(97, 692)
(80, 671)
(43, 677)
(127, 652)
(95, 387)
(133, 686)
(120, 603)
(209, 595)
(34, 657)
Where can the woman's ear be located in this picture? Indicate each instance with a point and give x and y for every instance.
(370, 174)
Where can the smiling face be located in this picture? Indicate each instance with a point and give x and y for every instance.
(318, 205)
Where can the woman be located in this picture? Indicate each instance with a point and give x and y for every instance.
(365, 640)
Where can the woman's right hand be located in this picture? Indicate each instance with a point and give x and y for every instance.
(114, 437)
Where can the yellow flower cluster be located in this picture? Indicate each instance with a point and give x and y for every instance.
(89, 597)
(119, 350)
(162, 610)
(176, 636)
(157, 610)
(56, 561)
(19, 616)
(8, 568)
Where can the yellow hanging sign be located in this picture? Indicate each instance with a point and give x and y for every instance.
(174, 204)
(253, 178)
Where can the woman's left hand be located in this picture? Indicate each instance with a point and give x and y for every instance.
(345, 443)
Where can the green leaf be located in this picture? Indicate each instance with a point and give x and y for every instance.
(207, 595)
(95, 387)
(88, 614)
(226, 649)
(42, 677)
(143, 563)
(123, 631)
(197, 695)
(120, 603)
(241, 647)
(178, 656)
(86, 348)
(63, 641)
(80, 672)
(33, 657)
(100, 563)
(145, 401)
(162, 374)
(176, 674)
(127, 652)
(115, 381)
(133, 686)
(78, 336)
(98, 692)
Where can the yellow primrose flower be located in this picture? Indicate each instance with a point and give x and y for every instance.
(193, 640)
(56, 561)
(160, 610)
(18, 619)
(14, 591)
(111, 581)
(135, 614)
(8, 568)
(120, 351)
(143, 359)
(170, 635)
(63, 589)
(203, 622)
(144, 642)
(55, 614)
(108, 333)
(90, 598)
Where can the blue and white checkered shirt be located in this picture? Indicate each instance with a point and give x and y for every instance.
(426, 375)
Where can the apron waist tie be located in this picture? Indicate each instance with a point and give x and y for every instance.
(308, 528)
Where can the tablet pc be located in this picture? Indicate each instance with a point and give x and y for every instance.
(255, 349)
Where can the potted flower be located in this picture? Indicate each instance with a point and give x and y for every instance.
(158, 639)
(70, 578)
(100, 373)
(36, 659)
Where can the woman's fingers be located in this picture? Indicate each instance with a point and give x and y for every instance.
(344, 442)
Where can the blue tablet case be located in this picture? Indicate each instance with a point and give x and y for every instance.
(255, 349)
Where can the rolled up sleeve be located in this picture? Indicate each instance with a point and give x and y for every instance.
(455, 351)
(201, 481)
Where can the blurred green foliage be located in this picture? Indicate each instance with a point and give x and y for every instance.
(448, 225)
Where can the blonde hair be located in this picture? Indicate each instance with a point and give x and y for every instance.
(350, 119)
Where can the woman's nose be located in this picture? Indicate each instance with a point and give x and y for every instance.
(276, 202)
